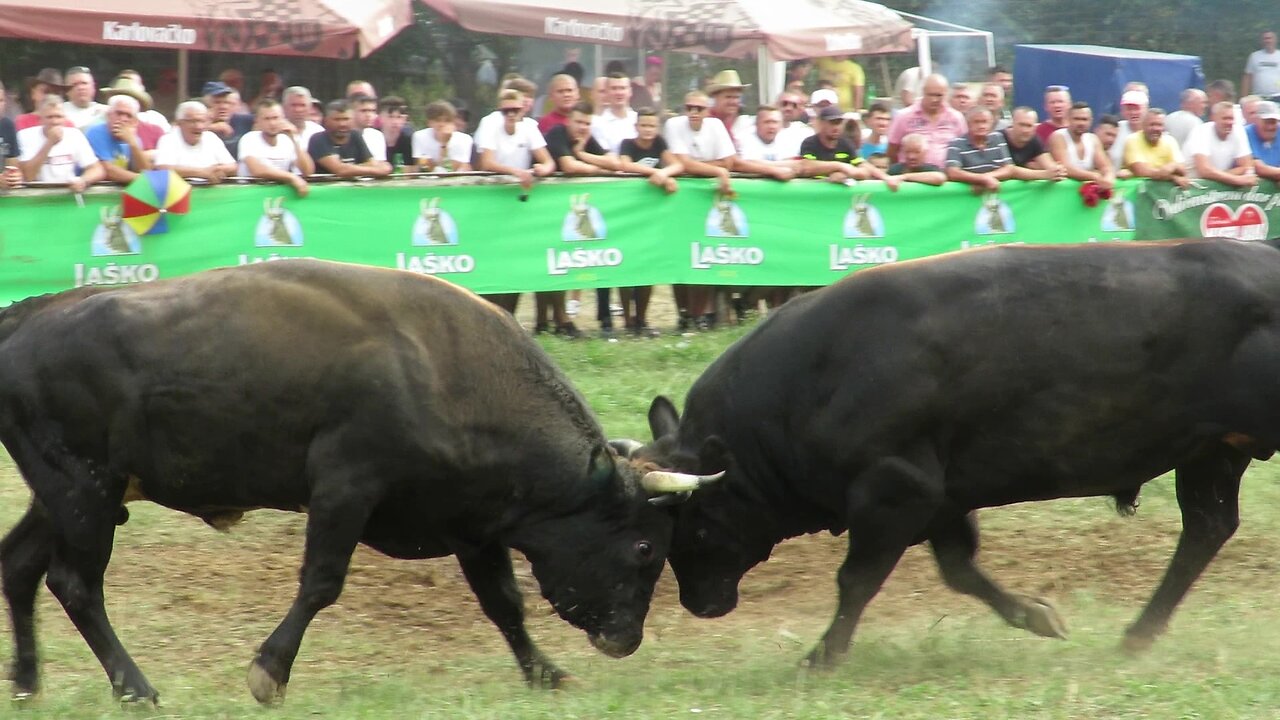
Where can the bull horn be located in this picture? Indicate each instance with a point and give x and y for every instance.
(662, 481)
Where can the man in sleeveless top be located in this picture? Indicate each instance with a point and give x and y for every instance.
(1080, 151)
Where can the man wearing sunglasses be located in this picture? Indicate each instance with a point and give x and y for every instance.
(794, 128)
(703, 148)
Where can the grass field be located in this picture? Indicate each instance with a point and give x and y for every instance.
(407, 640)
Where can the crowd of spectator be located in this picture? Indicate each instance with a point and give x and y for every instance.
(932, 131)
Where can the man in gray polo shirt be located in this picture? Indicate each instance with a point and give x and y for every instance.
(980, 158)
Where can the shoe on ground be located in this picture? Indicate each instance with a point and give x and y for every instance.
(569, 331)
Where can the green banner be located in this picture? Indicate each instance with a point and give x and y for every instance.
(564, 234)
(1207, 209)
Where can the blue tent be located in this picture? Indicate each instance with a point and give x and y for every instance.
(1097, 75)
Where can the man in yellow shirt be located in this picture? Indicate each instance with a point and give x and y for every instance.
(1153, 154)
(847, 78)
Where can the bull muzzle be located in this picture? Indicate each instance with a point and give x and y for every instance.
(616, 646)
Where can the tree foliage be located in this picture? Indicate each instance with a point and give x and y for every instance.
(1222, 34)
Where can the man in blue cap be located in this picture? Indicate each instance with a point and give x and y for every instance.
(229, 125)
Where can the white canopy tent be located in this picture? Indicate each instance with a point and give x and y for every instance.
(924, 31)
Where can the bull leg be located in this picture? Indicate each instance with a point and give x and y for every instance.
(25, 554)
(75, 578)
(335, 521)
(70, 537)
(954, 540)
(890, 505)
(489, 573)
(1208, 492)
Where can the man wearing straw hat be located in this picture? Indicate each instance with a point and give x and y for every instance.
(149, 133)
(725, 92)
(47, 81)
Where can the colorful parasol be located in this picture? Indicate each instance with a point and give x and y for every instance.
(152, 197)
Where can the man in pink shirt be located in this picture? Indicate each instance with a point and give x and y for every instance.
(931, 117)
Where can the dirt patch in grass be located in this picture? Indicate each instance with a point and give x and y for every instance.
(223, 593)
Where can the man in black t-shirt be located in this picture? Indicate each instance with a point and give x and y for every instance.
(577, 153)
(827, 153)
(341, 151)
(647, 153)
(573, 148)
(1031, 158)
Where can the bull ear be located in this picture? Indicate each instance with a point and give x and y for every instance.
(663, 418)
(714, 456)
(600, 468)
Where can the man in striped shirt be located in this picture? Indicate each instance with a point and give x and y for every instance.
(981, 157)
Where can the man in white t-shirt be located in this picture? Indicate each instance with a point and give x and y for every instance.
(703, 147)
(515, 147)
(364, 111)
(80, 108)
(192, 150)
(794, 129)
(439, 147)
(699, 142)
(296, 102)
(764, 150)
(1188, 117)
(1262, 69)
(54, 152)
(1219, 151)
(616, 121)
(274, 152)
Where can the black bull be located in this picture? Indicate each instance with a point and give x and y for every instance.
(395, 410)
(897, 401)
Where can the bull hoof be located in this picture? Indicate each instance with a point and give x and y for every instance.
(137, 693)
(1134, 644)
(822, 659)
(1041, 618)
(546, 676)
(143, 702)
(266, 689)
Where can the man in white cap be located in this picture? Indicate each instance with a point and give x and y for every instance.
(820, 98)
(1262, 141)
(725, 92)
(1133, 106)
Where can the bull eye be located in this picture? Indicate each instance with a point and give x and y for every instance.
(644, 550)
